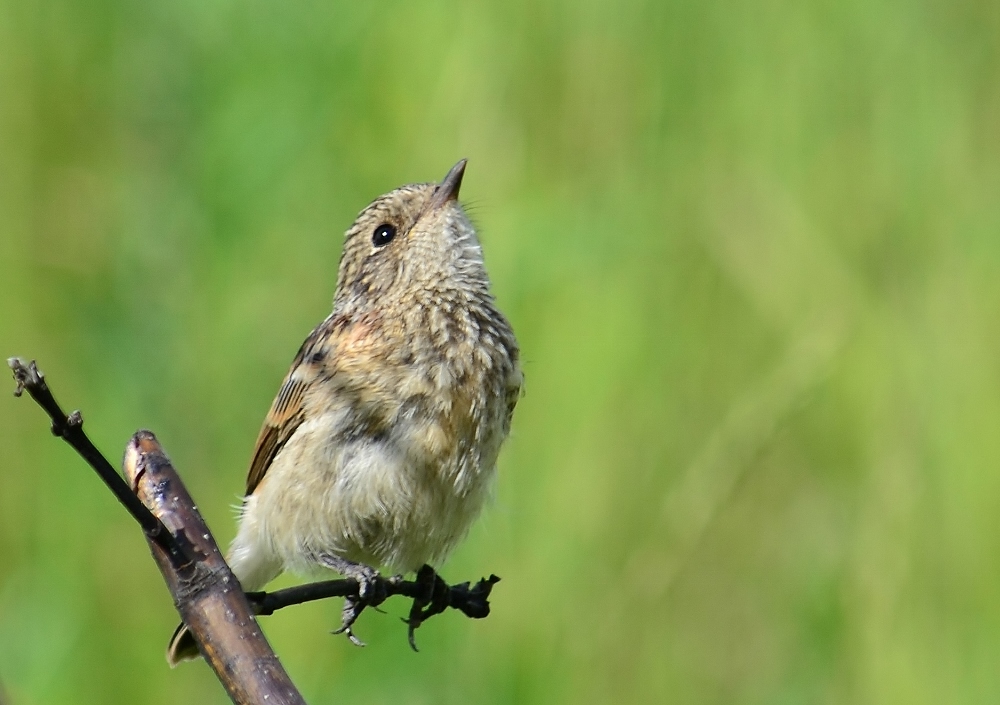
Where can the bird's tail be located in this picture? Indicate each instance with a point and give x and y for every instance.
(182, 647)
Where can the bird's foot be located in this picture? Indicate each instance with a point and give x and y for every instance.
(434, 599)
(372, 592)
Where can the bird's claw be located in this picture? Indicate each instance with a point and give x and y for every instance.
(372, 591)
(434, 599)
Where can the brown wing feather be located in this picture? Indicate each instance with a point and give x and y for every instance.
(282, 420)
(287, 411)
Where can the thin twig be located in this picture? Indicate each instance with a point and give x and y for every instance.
(472, 601)
(430, 594)
(70, 428)
(204, 589)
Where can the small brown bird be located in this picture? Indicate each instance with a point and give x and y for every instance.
(380, 449)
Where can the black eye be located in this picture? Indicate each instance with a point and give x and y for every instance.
(383, 234)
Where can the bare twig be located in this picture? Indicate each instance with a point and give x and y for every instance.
(430, 594)
(70, 428)
(205, 591)
(472, 601)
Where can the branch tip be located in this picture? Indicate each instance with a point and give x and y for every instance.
(70, 428)
(26, 374)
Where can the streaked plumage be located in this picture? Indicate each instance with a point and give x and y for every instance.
(381, 445)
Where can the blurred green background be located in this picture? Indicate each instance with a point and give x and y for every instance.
(752, 254)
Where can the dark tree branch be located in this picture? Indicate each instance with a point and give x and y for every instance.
(472, 601)
(70, 428)
(205, 591)
(430, 594)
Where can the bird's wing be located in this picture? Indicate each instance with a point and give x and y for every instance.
(288, 411)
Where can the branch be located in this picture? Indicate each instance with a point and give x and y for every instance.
(70, 428)
(205, 591)
(430, 594)
(472, 601)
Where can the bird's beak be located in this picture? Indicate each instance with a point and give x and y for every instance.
(447, 190)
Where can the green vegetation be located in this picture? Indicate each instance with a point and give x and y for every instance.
(752, 254)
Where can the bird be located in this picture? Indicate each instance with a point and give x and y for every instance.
(380, 448)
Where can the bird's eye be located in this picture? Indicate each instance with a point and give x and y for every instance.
(383, 234)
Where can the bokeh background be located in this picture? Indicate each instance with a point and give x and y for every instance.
(752, 254)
